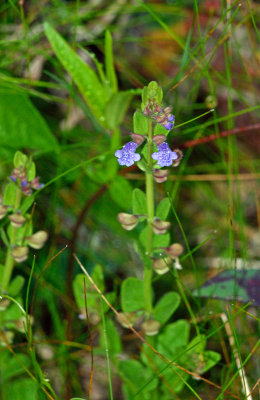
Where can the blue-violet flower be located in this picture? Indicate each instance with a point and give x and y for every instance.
(168, 126)
(127, 155)
(164, 156)
(171, 118)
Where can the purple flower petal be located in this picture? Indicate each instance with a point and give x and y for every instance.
(168, 126)
(127, 155)
(171, 118)
(164, 156)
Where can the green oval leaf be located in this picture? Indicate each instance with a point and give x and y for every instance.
(132, 296)
(166, 307)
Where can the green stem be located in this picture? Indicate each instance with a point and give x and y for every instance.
(186, 301)
(9, 261)
(148, 272)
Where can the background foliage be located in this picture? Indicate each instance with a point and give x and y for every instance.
(71, 74)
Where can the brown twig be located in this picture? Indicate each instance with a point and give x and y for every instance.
(214, 136)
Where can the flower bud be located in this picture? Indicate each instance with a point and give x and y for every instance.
(3, 211)
(151, 327)
(128, 221)
(9, 335)
(168, 110)
(158, 139)
(138, 139)
(20, 253)
(127, 319)
(17, 220)
(160, 175)
(175, 250)
(178, 159)
(37, 240)
(4, 303)
(161, 118)
(161, 265)
(160, 227)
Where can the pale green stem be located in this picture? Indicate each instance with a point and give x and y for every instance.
(9, 261)
(148, 272)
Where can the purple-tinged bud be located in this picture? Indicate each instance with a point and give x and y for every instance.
(13, 178)
(17, 220)
(168, 109)
(3, 211)
(178, 159)
(161, 265)
(24, 183)
(164, 156)
(168, 126)
(151, 327)
(161, 119)
(158, 108)
(127, 319)
(160, 175)
(160, 227)
(26, 191)
(20, 253)
(138, 139)
(35, 184)
(128, 221)
(175, 250)
(127, 155)
(159, 139)
(171, 118)
(37, 240)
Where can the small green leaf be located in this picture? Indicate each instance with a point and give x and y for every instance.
(9, 195)
(121, 192)
(163, 209)
(132, 296)
(139, 202)
(98, 278)
(211, 358)
(140, 123)
(158, 240)
(26, 204)
(31, 172)
(160, 130)
(109, 60)
(136, 375)
(16, 286)
(92, 294)
(113, 338)
(166, 306)
(25, 386)
(20, 159)
(174, 337)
